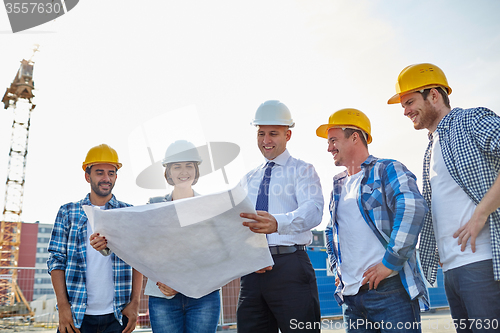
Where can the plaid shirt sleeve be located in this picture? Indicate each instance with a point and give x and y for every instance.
(486, 125)
(59, 241)
(329, 234)
(394, 208)
(408, 208)
(64, 254)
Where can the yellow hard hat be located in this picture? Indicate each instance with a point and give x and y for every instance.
(419, 77)
(347, 118)
(101, 154)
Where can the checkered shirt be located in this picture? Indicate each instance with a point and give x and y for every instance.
(67, 248)
(470, 143)
(394, 209)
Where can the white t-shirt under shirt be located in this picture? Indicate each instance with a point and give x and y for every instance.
(99, 280)
(452, 208)
(360, 249)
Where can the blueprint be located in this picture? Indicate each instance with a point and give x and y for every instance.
(193, 245)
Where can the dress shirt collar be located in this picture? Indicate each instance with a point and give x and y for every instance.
(280, 159)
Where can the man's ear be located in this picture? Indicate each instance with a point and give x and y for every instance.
(87, 177)
(355, 137)
(434, 93)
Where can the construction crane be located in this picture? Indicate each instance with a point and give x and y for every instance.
(18, 97)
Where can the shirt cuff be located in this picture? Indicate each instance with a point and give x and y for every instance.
(283, 223)
(393, 262)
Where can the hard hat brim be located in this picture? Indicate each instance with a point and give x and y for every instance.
(397, 98)
(394, 99)
(322, 131)
(271, 123)
(86, 165)
(167, 162)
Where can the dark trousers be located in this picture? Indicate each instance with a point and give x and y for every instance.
(285, 297)
(102, 324)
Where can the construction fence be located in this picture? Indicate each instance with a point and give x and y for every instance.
(41, 299)
(42, 310)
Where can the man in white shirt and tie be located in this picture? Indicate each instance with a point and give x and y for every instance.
(289, 203)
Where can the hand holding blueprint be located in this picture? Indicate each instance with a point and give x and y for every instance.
(194, 245)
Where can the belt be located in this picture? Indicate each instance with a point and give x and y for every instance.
(380, 284)
(282, 249)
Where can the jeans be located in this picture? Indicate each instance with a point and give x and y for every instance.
(474, 297)
(183, 314)
(102, 324)
(385, 309)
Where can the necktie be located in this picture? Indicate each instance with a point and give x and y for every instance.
(263, 196)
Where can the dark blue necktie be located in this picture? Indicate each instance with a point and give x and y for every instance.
(263, 196)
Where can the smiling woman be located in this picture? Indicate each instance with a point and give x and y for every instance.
(170, 311)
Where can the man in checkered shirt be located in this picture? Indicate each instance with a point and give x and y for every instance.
(95, 293)
(462, 188)
(376, 214)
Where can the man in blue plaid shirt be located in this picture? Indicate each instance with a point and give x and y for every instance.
(462, 188)
(377, 213)
(95, 293)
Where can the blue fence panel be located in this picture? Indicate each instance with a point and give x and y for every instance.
(437, 294)
(326, 284)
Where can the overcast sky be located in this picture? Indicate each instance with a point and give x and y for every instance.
(144, 74)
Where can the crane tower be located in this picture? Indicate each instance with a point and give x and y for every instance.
(18, 97)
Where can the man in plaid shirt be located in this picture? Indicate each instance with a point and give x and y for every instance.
(377, 213)
(94, 293)
(462, 188)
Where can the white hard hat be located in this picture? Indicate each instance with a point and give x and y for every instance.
(181, 151)
(273, 113)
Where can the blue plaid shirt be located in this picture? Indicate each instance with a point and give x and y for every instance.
(67, 248)
(393, 208)
(470, 143)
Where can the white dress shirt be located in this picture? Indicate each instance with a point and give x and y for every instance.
(295, 198)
